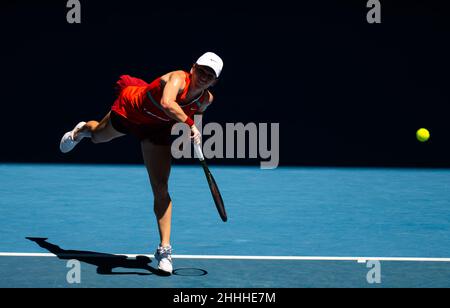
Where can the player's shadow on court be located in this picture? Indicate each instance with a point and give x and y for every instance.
(105, 262)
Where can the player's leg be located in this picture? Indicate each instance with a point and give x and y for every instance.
(99, 132)
(157, 159)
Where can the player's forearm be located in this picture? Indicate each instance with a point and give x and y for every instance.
(174, 111)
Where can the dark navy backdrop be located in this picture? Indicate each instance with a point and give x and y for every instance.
(344, 92)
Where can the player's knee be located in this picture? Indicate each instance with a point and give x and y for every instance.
(161, 191)
(161, 201)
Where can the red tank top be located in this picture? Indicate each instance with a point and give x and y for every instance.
(139, 102)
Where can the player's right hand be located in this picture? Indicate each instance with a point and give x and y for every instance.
(195, 135)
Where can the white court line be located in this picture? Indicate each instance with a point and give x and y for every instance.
(225, 257)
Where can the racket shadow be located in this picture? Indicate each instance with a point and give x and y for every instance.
(104, 262)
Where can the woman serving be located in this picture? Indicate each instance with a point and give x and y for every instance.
(148, 111)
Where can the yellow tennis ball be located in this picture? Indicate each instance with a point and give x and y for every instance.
(423, 134)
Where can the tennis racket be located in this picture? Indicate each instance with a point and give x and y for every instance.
(212, 184)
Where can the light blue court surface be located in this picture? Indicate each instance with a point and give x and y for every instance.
(315, 212)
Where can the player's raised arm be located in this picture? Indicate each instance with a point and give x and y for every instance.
(175, 83)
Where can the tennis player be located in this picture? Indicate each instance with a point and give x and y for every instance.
(148, 111)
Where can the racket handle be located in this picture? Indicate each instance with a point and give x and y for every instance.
(199, 152)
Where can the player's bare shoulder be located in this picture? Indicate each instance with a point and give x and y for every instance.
(173, 76)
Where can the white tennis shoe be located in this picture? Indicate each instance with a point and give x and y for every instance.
(68, 142)
(164, 257)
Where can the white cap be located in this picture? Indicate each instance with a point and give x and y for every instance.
(211, 60)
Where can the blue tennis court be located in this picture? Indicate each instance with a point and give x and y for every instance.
(288, 227)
